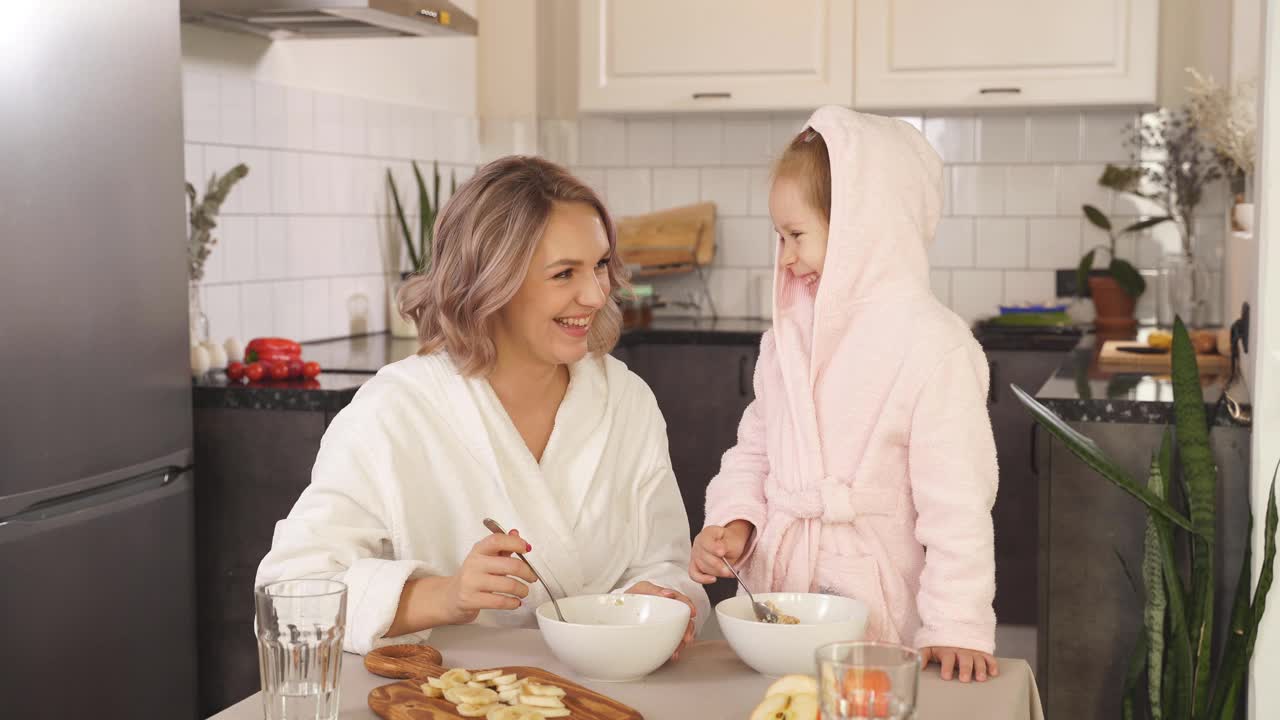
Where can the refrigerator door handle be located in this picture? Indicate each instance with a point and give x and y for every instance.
(49, 511)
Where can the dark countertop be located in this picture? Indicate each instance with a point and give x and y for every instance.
(1080, 391)
(330, 392)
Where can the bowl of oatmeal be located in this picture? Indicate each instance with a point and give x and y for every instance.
(787, 648)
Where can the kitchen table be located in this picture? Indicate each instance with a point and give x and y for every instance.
(709, 682)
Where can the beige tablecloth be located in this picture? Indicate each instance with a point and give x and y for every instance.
(709, 682)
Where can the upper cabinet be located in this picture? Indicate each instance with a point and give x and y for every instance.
(997, 53)
(688, 55)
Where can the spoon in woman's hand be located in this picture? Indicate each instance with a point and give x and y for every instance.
(496, 529)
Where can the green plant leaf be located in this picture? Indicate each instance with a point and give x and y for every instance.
(404, 224)
(1082, 273)
(426, 214)
(1121, 179)
(1267, 574)
(1128, 277)
(1144, 224)
(1097, 217)
(1196, 461)
(1088, 451)
(1128, 573)
(1232, 664)
(1137, 663)
(1153, 615)
(1176, 700)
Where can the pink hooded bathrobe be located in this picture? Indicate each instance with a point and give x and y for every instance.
(866, 462)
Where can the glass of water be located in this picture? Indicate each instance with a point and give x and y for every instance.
(858, 680)
(300, 628)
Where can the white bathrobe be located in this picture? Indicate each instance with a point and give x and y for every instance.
(407, 472)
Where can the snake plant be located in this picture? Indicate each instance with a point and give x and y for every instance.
(1184, 679)
(428, 209)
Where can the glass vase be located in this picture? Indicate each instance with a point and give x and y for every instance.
(198, 322)
(1185, 286)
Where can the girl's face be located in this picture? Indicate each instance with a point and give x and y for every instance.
(802, 230)
(566, 284)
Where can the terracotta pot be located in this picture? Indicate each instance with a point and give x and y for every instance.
(1113, 305)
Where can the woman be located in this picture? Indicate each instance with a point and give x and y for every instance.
(512, 409)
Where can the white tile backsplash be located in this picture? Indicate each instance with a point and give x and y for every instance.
(744, 242)
(257, 310)
(300, 118)
(329, 124)
(1078, 186)
(238, 244)
(193, 166)
(976, 293)
(270, 123)
(377, 119)
(253, 192)
(727, 188)
(272, 247)
(1002, 138)
(1104, 134)
(1001, 243)
(698, 139)
(1031, 190)
(747, 141)
(650, 142)
(784, 127)
(602, 141)
(1054, 243)
(977, 189)
(1028, 286)
(629, 191)
(287, 305)
(353, 126)
(952, 244)
(674, 187)
(952, 136)
(758, 185)
(222, 308)
(403, 126)
(200, 113)
(235, 110)
(940, 284)
(286, 183)
(1055, 137)
(317, 316)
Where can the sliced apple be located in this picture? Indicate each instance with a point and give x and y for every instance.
(793, 685)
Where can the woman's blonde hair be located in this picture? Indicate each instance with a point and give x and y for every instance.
(806, 161)
(485, 238)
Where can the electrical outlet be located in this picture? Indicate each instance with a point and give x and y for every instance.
(1065, 284)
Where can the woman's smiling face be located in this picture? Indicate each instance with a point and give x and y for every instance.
(566, 284)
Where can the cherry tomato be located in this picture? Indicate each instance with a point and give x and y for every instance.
(254, 371)
(311, 369)
(295, 368)
(280, 371)
(235, 371)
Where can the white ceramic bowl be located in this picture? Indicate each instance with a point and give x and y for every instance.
(614, 638)
(778, 650)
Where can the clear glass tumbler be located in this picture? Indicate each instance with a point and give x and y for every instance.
(300, 628)
(858, 680)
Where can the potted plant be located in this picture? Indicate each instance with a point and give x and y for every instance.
(419, 251)
(201, 217)
(1116, 289)
(1175, 652)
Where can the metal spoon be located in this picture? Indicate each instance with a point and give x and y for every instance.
(496, 529)
(762, 611)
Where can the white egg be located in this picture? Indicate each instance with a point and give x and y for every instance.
(217, 356)
(235, 351)
(199, 361)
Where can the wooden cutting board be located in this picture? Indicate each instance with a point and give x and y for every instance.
(405, 701)
(1113, 355)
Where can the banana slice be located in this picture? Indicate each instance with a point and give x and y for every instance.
(487, 675)
(477, 711)
(500, 680)
(451, 694)
(475, 696)
(510, 696)
(541, 701)
(431, 691)
(438, 684)
(512, 713)
(545, 712)
(458, 676)
(536, 688)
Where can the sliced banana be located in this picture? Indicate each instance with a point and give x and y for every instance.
(509, 679)
(541, 701)
(510, 696)
(467, 710)
(458, 676)
(537, 688)
(451, 694)
(477, 684)
(514, 713)
(545, 712)
(476, 696)
(431, 691)
(438, 684)
(487, 675)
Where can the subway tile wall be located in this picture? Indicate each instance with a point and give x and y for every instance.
(1013, 182)
(306, 245)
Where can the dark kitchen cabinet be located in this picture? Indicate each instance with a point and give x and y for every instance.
(702, 390)
(1015, 515)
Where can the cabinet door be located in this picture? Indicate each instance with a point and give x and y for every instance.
(992, 53)
(670, 55)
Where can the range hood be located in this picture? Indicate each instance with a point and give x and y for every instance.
(284, 19)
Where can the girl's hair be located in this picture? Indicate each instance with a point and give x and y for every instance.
(485, 238)
(806, 161)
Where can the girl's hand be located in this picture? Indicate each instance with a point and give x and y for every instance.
(715, 543)
(972, 663)
(489, 579)
(648, 588)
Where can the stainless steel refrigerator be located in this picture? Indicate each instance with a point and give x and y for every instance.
(97, 579)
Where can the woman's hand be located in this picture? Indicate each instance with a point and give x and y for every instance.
(648, 588)
(715, 544)
(490, 579)
(971, 662)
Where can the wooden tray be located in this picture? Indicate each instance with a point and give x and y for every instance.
(405, 701)
(1113, 356)
(670, 241)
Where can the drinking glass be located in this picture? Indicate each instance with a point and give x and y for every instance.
(300, 629)
(860, 680)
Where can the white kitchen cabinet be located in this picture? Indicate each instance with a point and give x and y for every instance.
(923, 54)
(683, 55)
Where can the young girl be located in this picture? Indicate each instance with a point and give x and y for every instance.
(865, 467)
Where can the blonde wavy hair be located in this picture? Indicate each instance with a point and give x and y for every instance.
(485, 238)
